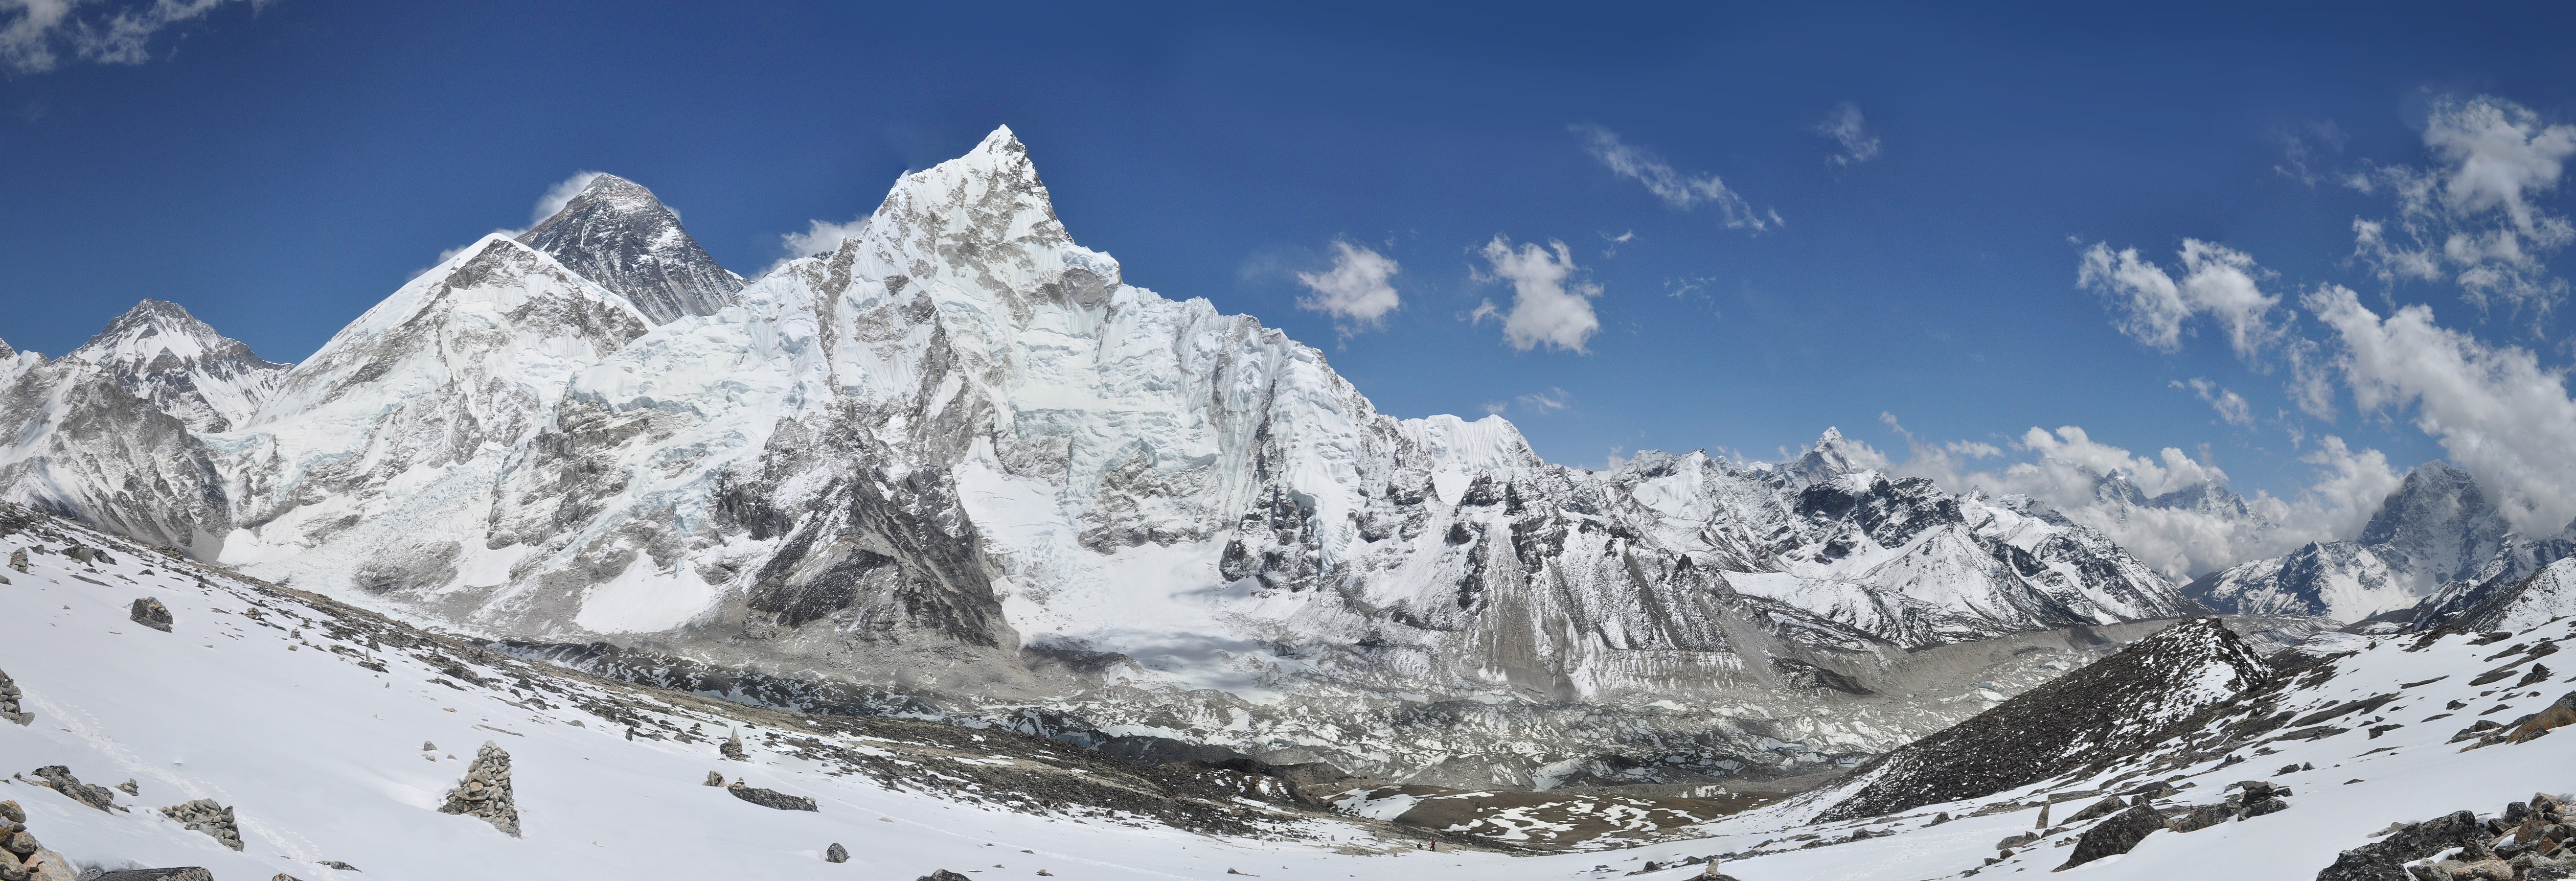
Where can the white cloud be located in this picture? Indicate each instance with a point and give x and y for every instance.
(1845, 126)
(1549, 401)
(2231, 406)
(1551, 302)
(2298, 148)
(1675, 188)
(2152, 306)
(1355, 291)
(2494, 409)
(2471, 216)
(38, 34)
(559, 195)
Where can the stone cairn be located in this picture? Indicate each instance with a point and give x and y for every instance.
(485, 791)
(732, 748)
(18, 560)
(151, 613)
(204, 815)
(9, 699)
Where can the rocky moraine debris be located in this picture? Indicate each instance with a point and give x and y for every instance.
(2526, 842)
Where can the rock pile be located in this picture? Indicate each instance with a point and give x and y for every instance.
(2527, 842)
(204, 815)
(60, 779)
(485, 791)
(2254, 798)
(732, 748)
(22, 858)
(771, 798)
(151, 613)
(9, 698)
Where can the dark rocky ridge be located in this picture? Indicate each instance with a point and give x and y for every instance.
(615, 233)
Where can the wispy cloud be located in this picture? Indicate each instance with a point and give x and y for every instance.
(2231, 406)
(1549, 401)
(1551, 299)
(1847, 129)
(2300, 148)
(40, 35)
(2472, 216)
(1356, 291)
(1679, 190)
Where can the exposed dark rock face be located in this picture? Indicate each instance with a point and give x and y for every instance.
(2120, 703)
(485, 792)
(615, 233)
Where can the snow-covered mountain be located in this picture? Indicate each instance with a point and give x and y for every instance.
(616, 234)
(959, 455)
(113, 432)
(2436, 535)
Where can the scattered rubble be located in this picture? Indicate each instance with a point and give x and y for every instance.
(485, 791)
(204, 815)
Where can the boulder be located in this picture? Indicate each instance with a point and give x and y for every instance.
(2116, 835)
(2199, 817)
(151, 613)
(942, 875)
(2104, 808)
(10, 697)
(485, 791)
(715, 778)
(771, 798)
(836, 853)
(183, 873)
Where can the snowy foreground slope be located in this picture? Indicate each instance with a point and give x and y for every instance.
(269, 702)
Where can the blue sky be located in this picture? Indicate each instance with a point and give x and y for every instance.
(279, 168)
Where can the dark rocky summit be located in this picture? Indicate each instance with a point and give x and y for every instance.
(616, 234)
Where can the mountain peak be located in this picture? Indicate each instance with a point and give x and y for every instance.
(1834, 456)
(2439, 522)
(165, 355)
(614, 232)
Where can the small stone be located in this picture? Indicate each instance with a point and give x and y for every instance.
(715, 778)
(130, 787)
(18, 560)
(336, 864)
(428, 747)
(151, 613)
(836, 853)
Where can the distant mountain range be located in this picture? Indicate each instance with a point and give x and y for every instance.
(960, 457)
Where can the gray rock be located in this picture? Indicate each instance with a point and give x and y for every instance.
(204, 815)
(62, 781)
(2386, 859)
(942, 875)
(151, 613)
(771, 798)
(732, 748)
(182, 873)
(130, 787)
(485, 791)
(2104, 808)
(2199, 817)
(715, 778)
(2116, 835)
(345, 867)
(2263, 806)
(836, 853)
(18, 560)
